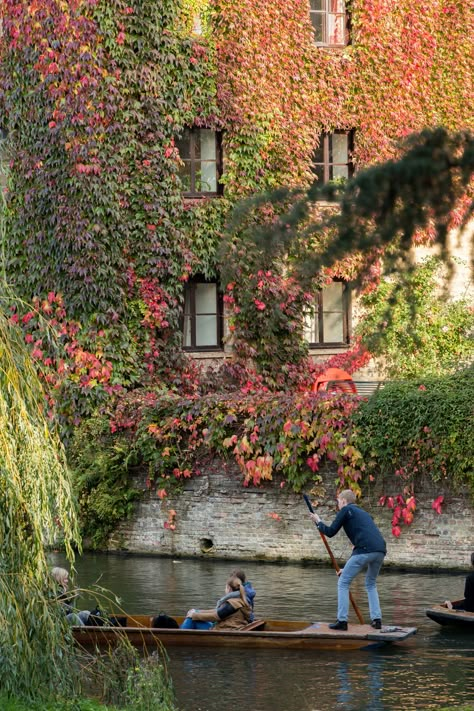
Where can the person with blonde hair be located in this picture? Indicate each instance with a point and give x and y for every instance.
(369, 550)
(249, 591)
(61, 577)
(232, 613)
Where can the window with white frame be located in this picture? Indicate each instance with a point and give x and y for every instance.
(332, 159)
(330, 22)
(203, 319)
(201, 156)
(328, 322)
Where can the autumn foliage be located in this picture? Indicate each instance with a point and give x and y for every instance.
(100, 242)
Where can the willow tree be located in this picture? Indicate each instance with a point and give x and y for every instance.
(36, 506)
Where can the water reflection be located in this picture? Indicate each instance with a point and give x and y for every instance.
(348, 696)
(432, 670)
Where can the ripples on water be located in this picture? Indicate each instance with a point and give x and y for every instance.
(432, 670)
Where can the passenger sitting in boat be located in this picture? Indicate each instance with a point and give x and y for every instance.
(249, 592)
(61, 577)
(468, 603)
(233, 613)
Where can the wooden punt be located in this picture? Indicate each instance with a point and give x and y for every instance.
(452, 618)
(264, 634)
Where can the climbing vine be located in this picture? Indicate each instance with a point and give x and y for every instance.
(95, 94)
(99, 241)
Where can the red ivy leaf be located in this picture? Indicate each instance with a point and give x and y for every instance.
(437, 503)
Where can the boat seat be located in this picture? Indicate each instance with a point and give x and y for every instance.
(255, 625)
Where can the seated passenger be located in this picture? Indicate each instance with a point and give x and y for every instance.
(61, 577)
(468, 603)
(249, 592)
(232, 613)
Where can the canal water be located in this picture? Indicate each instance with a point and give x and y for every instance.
(431, 670)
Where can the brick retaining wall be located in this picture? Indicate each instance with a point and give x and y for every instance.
(217, 517)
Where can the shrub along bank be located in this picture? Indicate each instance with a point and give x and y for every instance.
(406, 433)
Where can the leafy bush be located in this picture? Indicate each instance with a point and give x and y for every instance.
(414, 327)
(418, 431)
(101, 466)
(404, 434)
(132, 680)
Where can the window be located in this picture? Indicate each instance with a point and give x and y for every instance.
(332, 159)
(329, 21)
(3, 155)
(200, 151)
(3, 140)
(202, 326)
(197, 24)
(329, 323)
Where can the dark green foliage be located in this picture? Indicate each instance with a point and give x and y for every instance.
(420, 429)
(11, 704)
(102, 465)
(133, 681)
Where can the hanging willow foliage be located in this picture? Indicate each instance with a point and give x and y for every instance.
(36, 504)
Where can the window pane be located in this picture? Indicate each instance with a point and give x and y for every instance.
(318, 172)
(339, 147)
(311, 327)
(339, 155)
(333, 297)
(318, 155)
(317, 4)
(206, 178)
(339, 171)
(184, 144)
(333, 330)
(206, 298)
(333, 313)
(336, 29)
(187, 341)
(337, 6)
(207, 140)
(185, 176)
(318, 26)
(206, 330)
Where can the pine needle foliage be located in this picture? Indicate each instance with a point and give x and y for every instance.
(382, 209)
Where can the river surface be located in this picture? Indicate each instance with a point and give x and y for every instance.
(431, 670)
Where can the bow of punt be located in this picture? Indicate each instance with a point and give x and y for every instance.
(451, 618)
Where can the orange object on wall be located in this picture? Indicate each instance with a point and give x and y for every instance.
(334, 380)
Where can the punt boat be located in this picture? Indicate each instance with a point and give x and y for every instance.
(453, 618)
(260, 634)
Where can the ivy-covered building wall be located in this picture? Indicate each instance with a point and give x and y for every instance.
(133, 128)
